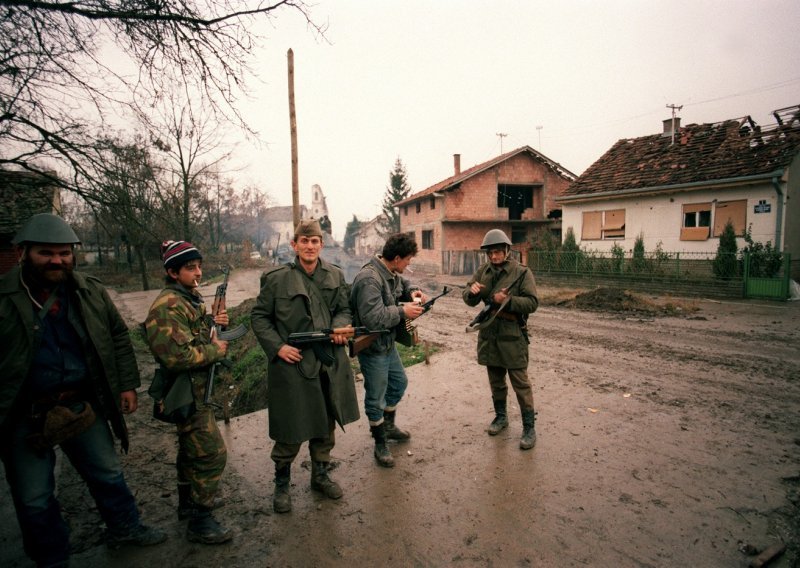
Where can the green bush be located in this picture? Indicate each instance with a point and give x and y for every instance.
(765, 261)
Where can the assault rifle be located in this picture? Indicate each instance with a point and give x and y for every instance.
(485, 317)
(217, 330)
(360, 338)
(406, 332)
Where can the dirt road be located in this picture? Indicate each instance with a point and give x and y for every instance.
(669, 441)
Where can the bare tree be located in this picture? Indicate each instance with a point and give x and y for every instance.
(59, 85)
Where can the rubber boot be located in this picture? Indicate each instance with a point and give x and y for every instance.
(281, 499)
(382, 454)
(205, 529)
(320, 481)
(500, 421)
(528, 439)
(391, 431)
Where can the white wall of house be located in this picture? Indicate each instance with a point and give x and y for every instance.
(660, 218)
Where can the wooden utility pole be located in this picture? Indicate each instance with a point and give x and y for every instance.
(293, 134)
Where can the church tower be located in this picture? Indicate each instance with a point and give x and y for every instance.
(319, 209)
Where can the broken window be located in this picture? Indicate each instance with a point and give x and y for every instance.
(518, 235)
(696, 221)
(516, 198)
(433, 203)
(599, 225)
(419, 206)
(427, 240)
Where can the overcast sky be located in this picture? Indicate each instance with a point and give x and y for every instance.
(423, 80)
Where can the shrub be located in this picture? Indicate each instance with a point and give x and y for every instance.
(765, 261)
(725, 263)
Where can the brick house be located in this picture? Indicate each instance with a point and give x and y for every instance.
(679, 188)
(22, 195)
(514, 192)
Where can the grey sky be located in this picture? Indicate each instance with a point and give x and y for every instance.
(424, 80)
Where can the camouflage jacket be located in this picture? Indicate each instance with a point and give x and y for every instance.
(178, 331)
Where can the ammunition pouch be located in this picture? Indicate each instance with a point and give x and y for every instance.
(173, 397)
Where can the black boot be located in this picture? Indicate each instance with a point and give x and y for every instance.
(320, 481)
(205, 529)
(281, 499)
(528, 439)
(500, 421)
(391, 431)
(382, 454)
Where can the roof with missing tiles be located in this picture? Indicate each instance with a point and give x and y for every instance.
(724, 150)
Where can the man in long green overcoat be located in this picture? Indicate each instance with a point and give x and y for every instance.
(305, 398)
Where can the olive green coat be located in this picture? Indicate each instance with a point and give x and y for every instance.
(289, 303)
(504, 343)
(110, 355)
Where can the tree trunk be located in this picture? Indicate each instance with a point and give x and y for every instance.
(142, 268)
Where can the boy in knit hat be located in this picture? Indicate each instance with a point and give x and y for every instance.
(180, 337)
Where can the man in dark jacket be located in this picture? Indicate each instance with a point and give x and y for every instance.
(509, 289)
(305, 398)
(378, 290)
(68, 370)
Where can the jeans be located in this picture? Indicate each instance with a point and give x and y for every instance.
(385, 382)
(31, 479)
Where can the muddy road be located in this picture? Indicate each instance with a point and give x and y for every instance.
(662, 441)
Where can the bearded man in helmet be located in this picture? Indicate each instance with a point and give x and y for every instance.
(68, 371)
(510, 289)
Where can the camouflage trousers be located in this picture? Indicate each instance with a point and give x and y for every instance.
(201, 454)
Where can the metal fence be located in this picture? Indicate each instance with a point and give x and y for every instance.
(708, 274)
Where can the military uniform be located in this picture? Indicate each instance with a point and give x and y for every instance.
(503, 344)
(178, 333)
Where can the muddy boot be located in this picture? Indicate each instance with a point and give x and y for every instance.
(391, 431)
(500, 421)
(205, 529)
(281, 499)
(320, 481)
(528, 439)
(382, 454)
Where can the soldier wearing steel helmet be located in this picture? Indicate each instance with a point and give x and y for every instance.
(510, 290)
(68, 371)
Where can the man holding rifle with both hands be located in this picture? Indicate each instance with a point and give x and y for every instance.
(508, 291)
(310, 390)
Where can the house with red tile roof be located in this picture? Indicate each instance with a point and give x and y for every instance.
(680, 188)
(515, 192)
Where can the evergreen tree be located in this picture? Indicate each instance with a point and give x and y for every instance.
(725, 262)
(638, 262)
(398, 190)
(350, 234)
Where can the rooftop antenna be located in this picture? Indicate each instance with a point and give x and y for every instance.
(501, 135)
(674, 108)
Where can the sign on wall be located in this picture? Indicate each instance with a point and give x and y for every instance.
(762, 207)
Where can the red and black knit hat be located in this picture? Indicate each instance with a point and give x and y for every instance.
(178, 253)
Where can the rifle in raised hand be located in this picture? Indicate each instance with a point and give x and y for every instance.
(485, 316)
(359, 338)
(219, 331)
(406, 331)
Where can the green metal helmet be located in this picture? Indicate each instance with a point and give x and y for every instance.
(495, 237)
(46, 228)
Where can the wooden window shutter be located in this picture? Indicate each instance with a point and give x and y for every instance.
(735, 211)
(592, 228)
(614, 223)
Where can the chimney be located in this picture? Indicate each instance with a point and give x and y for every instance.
(457, 164)
(668, 126)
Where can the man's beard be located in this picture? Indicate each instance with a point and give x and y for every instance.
(47, 275)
